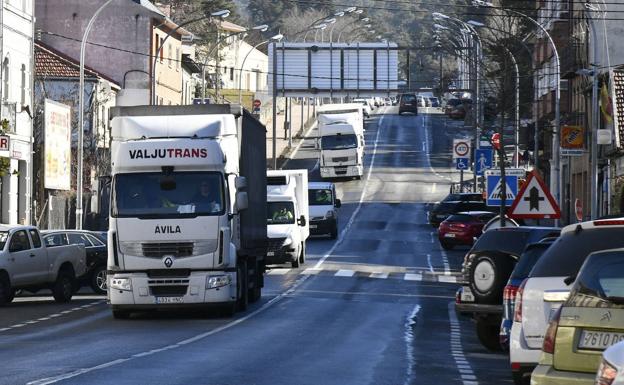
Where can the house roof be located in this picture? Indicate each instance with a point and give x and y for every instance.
(228, 26)
(50, 63)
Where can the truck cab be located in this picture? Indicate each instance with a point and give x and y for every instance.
(180, 227)
(288, 218)
(341, 141)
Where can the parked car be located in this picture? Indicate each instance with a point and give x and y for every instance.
(611, 369)
(527, 260)
(588, 322)
(323, 204)
(95, 247)
(443, 210)
(462, 228)
(368, 110)
(26, 263)
(408, 103)
(435, 102)
(388, 101)
(543, 292)
(422, 102)
(485, 272)
(464, 197)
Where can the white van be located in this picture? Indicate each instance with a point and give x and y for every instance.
(323, 204)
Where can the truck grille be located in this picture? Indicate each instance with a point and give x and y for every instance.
(275, 244)
(169, 291)
(168, 273)
(159, 250)
(340, 159)
(340, 170)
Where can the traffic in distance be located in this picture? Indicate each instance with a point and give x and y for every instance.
(368, 218)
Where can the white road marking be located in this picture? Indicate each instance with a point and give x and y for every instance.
(447, 279)
(433, 188)
(49, 317)
(463, 367)
(412, 277)
(409, 342)
(344, 273)
(428, 152)
(278, 272)
(447, 267)
(310, 272)
(379, 275)
(429, 263)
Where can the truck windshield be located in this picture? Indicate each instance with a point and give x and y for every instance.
(174, 195)
(338, 142)
(320, 197)
(280, 213)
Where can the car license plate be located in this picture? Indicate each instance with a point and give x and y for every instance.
(596, 340)
(313, 226)
(270, 254)
(466, 295)
(449, 235)
(162, 300)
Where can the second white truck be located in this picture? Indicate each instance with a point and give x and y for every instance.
(341, 141)
(288, 216)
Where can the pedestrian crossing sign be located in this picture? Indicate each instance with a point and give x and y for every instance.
(494, 190)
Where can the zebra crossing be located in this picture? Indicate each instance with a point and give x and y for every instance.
(397, 273)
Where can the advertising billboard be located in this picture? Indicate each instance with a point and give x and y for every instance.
(57, 143)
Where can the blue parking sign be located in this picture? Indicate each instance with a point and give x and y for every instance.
(462, 163)
(484, 158)
(494, 188)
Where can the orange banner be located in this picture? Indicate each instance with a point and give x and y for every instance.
(572, 137)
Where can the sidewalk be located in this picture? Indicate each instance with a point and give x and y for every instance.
(282, 148)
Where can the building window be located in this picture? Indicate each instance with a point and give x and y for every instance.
(23, 86)
(6, 83)
(162, 49)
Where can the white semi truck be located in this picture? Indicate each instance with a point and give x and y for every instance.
(188, 206)
(288, 216)
(341, 141)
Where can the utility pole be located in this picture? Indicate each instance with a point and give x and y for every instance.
(501, 149)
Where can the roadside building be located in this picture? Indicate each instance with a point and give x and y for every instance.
(16, 114)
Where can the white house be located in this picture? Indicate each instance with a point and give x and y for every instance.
(16, 51)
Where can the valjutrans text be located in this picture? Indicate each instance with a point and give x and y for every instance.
(169, 153)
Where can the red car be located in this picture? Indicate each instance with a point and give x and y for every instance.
(462, 228)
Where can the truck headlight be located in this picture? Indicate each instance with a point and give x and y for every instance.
(330, 214)
(121, 284)
(287, 242)
(215, 281)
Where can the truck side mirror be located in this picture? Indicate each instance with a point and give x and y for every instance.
(242, 201)
(302, 221)
(240, 182)
(337, 203)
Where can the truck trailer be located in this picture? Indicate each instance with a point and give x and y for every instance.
(187, 221)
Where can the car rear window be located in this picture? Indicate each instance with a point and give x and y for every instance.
(528, 259)
(510, 242)
(600, 282)
(474, 206)
(408, 98)
(445, 207)
(460, 218)
(566, 255)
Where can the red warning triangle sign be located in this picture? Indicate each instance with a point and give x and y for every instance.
(534, 201)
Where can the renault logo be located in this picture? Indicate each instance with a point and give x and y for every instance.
(606, 317)
(168, 261)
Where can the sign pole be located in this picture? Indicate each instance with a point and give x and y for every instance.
(461, 180)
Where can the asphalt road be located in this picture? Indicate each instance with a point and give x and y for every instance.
(373, 307)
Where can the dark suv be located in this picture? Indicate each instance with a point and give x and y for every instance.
(408, 103)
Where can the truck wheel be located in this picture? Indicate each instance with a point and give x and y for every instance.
(302, 255)
(488, 334)
(242, 285)
(295, 263)
(98, 280)
(63, 288)
(334, 232)
(254, 291)
(488, 276)
(6, 293)
(121, 314)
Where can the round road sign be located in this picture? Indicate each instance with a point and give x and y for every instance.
(257, 103)
(462, 149)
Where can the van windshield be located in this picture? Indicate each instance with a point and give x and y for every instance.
(320, 197)
(280, 213)
(338, 142)
(159, 195)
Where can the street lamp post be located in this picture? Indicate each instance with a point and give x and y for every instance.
(556, 172)
(277, 37)
(80, 170)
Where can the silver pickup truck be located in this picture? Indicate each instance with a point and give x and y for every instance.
(27, 264)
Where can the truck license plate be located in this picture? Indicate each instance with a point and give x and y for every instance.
(270, 254)
(466, 295)
(313, 226)
(163, 300)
